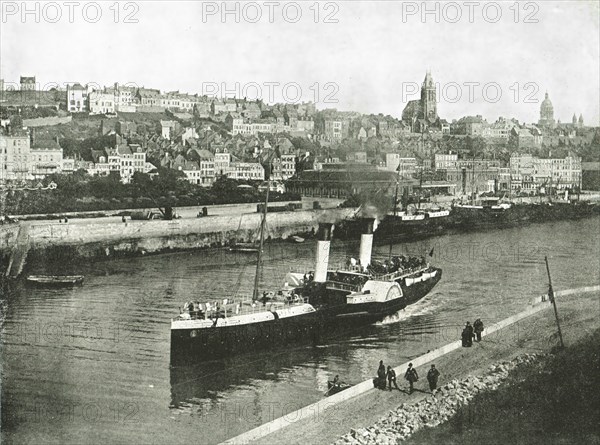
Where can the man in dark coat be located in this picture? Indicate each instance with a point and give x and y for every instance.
(381, 374)
(478, 328)
(432, 377)
(391, 376)
(467, 335)
(412, 376)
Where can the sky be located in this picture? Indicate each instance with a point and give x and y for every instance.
(488, 58)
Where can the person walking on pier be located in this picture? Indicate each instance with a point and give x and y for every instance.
(467, 335)
(412, 376)
(478, 328)
(391, 376)
(432, 378)
(381, 374)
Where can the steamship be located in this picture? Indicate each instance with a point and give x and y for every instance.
(309, 307)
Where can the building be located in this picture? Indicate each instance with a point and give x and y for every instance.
(403, 163)
(523, 138)
(77, 98)
(500, 129)
(343, 180)
(45, 158)
(305, 124)
(422, 113)
(14, 156)
(480, 178)
(530, 174)
(336, 129)
(27, 83)
(247, 171)
(443, 161)
(547, 113)
(149, 100)
(124, 98)
(167, 129)
(101, 102)
(222, 163)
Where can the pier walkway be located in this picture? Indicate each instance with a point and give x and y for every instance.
(19, 252)
(362, 405)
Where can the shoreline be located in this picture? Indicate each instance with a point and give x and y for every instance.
(327, 421)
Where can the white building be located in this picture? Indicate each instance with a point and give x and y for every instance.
(101, 102)
(14, 157)
(77, 98)
(444, 161)
(247, 171)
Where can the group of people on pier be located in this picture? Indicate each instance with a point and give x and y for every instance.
(411, 376)
(470, 332)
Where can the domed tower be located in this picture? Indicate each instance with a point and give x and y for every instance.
(428, 98)
(546, 113)
(580, 122)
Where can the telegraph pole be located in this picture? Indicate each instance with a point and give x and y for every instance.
(553, 301)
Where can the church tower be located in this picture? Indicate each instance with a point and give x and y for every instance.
(546, 113)
(574, 120)
(580, 122)
(428, 98)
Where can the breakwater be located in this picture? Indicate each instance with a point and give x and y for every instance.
(444, 403)
(93, 239)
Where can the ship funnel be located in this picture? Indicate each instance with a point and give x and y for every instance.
(366, 243)
(322, 256)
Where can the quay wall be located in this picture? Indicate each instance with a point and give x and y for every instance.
(88, 239)
(317, 409)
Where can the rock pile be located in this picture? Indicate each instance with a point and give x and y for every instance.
(405, 420)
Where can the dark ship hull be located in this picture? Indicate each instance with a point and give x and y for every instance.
(463, 219)
(394, 227)
(327, 321)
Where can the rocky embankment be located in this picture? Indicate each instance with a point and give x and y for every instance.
(437, 408)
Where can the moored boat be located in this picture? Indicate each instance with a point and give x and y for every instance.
(335, 387)
(55, 280)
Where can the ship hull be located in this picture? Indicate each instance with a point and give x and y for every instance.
(396, 228)
(198, 345)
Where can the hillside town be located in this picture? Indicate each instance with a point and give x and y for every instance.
(123, 130)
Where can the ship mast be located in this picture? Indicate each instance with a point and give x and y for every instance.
(262, 236)
(395, 208)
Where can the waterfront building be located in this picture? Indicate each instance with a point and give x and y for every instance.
(530, 173)
(343, 180)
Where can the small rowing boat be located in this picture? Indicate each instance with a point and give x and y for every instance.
(297, 239)
(334, 388)
(55, 280)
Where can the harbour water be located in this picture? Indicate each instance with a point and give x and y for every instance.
(91, 364)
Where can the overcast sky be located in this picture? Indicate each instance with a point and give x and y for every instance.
(368, 58)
